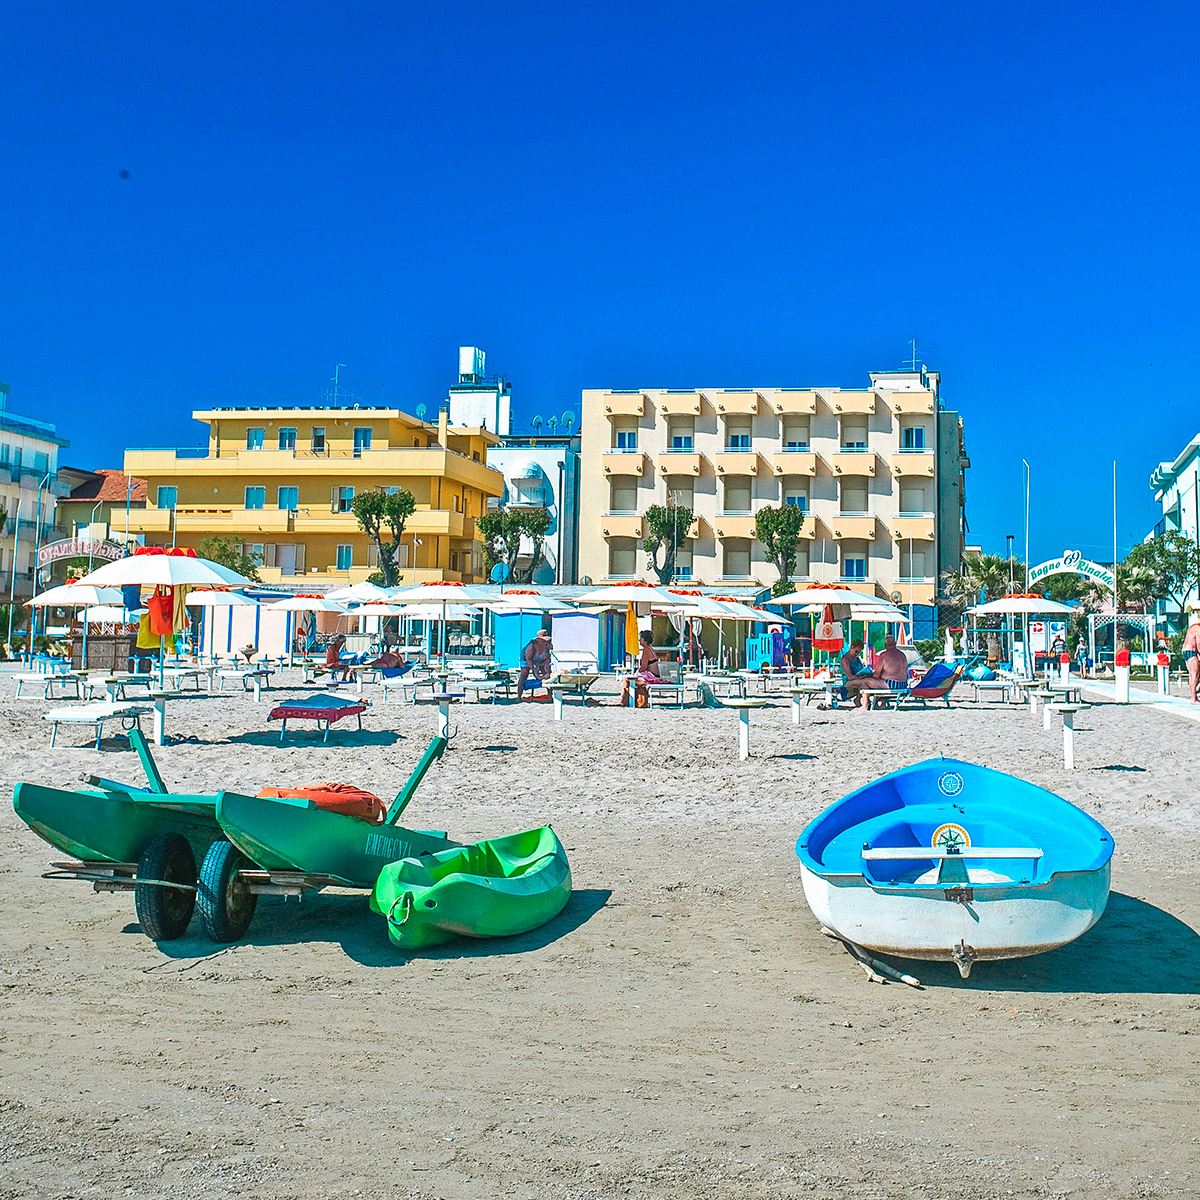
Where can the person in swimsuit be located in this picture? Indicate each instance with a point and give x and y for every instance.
(1191, 653)
(647, 671)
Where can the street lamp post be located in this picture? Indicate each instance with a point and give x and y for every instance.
(37, 546)
(91, 540)
(1010, 537)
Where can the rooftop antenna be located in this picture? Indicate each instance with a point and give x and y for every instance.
(912, 362)
(552, 423)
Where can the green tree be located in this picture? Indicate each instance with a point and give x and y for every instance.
(779, 531)
(502, 531)
(666, 525)
(229, 552)
(1172, 561)
(379, 513)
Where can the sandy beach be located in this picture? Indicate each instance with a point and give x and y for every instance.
(681, 1030)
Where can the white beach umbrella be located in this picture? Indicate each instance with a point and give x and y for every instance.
(303, 602)
(618, 595)
(525, 600)
(360, 593)
(1028, 604)
(444, 592)
(76, 595)
(165, 570)
(99, 614)
(208, 598)
(823, 594)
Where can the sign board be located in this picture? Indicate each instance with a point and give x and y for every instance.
(77, 548)
(1072, 562)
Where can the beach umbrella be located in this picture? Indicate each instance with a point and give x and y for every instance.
(75, 595)
(617, 595)
(444, 592)
(525, 600)
(214, 598)
(1023, 603)
(827, 593)
(100, 614)
(304, 602)
(631, 631)
(161, 566)
(360, 593)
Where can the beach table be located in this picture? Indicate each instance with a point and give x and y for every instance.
(116, 686)
(809, 689)
(160, 698)
(46, 681)
(743, 705)
(1071, 693)
(443, 699)
(1067, 712)
(359, 672)
(197, 673)
(730, 685)
(558, 694)
(95, 714)
(252, 678)
(484, 688)
(1047, 697)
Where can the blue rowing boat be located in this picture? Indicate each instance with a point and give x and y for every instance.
(952, 861)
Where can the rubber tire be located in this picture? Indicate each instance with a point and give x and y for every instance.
(226, 904)
(164, 913)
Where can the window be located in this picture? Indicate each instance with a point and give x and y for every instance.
(854, 434)
(800, 569)
(287, 438)
(737, 558)
(682, 434)
(626, 439)
(623, 497)
(683, 563)
(345, 557)
(737, 436)
(682, 441)
(166, 497)
(737, 496)
(913, 498)
(854, 496)
(16, 458)
(362, 439)
(912, 562)
(5, 451)
(256, 497)
(254, 438)
(795, 435)
(343, 498)
(622, 556)
(912, 437)
(318, 439)
(854, 562)
(41, 462)
(796, 498)
(257, 551)
(289, 498)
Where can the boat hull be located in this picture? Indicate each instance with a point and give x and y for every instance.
(293, 834)
(997, 924)
(113, 826)
(495, 888)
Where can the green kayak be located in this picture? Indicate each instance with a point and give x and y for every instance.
(492, 888)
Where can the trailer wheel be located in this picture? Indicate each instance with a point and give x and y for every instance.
(226, 903)
(164, 912)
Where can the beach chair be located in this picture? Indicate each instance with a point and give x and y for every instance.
(935, 684)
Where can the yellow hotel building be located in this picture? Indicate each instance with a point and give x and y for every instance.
(283, 479)
(879, 471)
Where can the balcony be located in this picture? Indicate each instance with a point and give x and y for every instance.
(623, 462)
(913, 462)
(735, 403)
(915, 527)
(678, 462)
(794, 462)
(911, 402)
(205, 520)
(853, 526)
(848, 461)
(915, 590)
(150, 520)
(621, 524)
(624, 404)
(787, 403)
(734, 525)
(849, 403)
(736, 462)
(678, 404)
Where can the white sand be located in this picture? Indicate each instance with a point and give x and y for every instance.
(682, 1030)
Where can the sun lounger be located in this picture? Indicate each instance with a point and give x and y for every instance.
(319, 708)
(935, 684)
(46, 682)
(254, 678)
(93, 714)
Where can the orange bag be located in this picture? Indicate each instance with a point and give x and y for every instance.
(342, 798)
(161, 610)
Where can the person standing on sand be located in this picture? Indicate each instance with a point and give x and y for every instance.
(1191, 653)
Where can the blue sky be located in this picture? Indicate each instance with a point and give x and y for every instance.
(615, 195)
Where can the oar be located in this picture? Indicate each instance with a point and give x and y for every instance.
(434, 751)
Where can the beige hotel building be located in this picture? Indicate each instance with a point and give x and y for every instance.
(879, 470)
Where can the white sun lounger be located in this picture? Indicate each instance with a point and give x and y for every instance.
(92, 714)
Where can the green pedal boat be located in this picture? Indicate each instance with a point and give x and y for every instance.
(492, 888)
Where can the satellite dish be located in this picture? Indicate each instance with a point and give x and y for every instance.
(536, 423)
(587, 579)
(568, 419)
(421, 411)
(499, 573)
(897, 597)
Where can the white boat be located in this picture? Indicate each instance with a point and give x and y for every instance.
(952, 861)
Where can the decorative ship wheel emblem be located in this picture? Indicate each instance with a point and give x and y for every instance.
(950, 837)
(950, 784)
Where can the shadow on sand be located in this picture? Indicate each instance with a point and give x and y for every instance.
(362, 934)
(306, 737)
(1134, 947)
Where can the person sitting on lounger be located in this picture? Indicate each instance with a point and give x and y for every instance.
(333, 657)
(892, 665)
(856, 677)
(647, 672)
(389, 658)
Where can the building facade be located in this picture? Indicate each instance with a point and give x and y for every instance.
(1176, 486)
(880, 471)
(282, 480)
(92, 517)
(29, 491)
